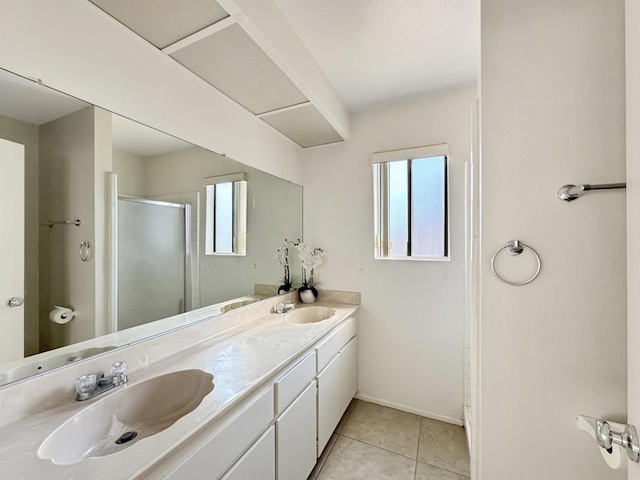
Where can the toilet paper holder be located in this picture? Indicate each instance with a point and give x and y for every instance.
(606, 438)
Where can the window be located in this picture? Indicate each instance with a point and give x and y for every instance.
(226, 215)
(411, 211)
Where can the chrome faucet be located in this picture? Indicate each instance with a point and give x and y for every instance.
(284, 307)
(93, 384)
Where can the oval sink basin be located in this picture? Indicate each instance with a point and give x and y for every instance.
(309, 314)
(234, 305)
(127, 415)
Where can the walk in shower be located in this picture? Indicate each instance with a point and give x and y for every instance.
(153, 260)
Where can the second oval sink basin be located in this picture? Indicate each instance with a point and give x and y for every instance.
(234, 305)
(126, 416)
(313, 314)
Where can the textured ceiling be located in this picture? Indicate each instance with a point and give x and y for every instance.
(377, 51)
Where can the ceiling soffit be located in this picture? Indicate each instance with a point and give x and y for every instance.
(214, 45)
(164, 22)
(234, 64)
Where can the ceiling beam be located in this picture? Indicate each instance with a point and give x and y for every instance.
(284, 109)
(263, 21)
(199, 35)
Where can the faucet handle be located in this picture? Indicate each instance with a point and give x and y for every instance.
(86, 383)
(119, 371)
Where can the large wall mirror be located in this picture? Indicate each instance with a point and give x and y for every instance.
(118, 223)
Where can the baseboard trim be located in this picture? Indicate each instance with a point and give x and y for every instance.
(404, 408)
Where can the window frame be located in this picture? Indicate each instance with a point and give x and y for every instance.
(239, 214)
(380, 160)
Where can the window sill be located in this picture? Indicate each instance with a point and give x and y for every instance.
(416, 259)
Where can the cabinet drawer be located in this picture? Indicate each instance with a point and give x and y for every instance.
(294, 381)
(212, 460)
(259, 463)
(329, 347)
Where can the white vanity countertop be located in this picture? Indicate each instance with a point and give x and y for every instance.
(240, 362)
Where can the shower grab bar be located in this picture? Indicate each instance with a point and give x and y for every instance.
(50, 224)
(568, 193)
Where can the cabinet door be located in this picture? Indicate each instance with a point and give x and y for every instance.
(296, 437)
(349, 373)
(259, 463)
(329, 397)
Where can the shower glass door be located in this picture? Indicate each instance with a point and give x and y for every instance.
(153, 261)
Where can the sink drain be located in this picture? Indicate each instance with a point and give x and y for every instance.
(126, 437)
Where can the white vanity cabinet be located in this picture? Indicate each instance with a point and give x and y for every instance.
(280, 432)
(337, 378)
(296, 420)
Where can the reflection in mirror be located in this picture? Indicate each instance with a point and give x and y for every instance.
(146, 227)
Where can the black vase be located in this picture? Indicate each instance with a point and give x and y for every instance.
(308, 294)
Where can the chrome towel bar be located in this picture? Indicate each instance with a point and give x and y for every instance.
(568, 193)
(76, 222)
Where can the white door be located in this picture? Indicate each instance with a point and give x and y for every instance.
(11, 250)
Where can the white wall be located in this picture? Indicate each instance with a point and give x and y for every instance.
(411, 322)
(632, 14)
(27, 134)
(552, 113)
(75, 153)
(130, 169)
(76, 48)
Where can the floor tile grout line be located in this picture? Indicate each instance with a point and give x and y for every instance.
(444, 468)
(376, 446)
(415, 471)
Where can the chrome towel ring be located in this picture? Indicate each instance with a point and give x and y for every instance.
(515, 248)
(85, 250)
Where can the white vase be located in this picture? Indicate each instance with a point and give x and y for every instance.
(308, 294)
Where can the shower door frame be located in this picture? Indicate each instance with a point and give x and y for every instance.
(187, 304)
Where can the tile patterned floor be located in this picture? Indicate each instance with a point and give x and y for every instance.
(373, 442)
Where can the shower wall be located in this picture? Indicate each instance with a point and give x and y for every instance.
(552, 113)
